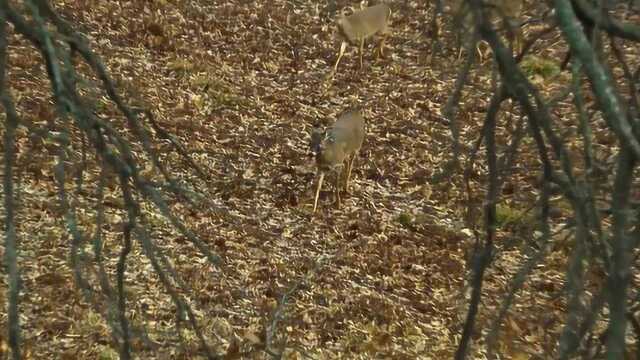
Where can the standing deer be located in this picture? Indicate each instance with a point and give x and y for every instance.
(333, 147)
(361, 25)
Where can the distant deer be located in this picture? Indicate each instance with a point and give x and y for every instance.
(333, 147)
(361, 25)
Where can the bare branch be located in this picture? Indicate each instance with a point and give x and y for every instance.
(620, 272)
(11, 241)
(613, 27)
(601, 82)
(483, 257)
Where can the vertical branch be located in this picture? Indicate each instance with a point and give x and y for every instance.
(575, 288)
(583, 128)
(449, 112)
(591, 316)
(11, 241)
(483, 258)
(132, 213)
(97, 238)
(83, 165)
(620, 273)
(97, 243)
(601, 82)
(434, 28)
(587, 153)
(534, 258)
(69, 212)
(77, 235)
(182, 307)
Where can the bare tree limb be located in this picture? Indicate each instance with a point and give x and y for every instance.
(620, 272)
(11, 240)
(449, 112)
(484, 255)
(606, 95)
(612, 26)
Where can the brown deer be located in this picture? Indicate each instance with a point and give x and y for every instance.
(333, 147)
(361, 25)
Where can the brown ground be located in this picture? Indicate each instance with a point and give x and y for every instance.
(242, 85)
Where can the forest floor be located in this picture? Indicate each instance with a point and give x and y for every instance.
(241, 84)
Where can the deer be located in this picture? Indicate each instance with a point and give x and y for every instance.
(361, 25)
(336, 146)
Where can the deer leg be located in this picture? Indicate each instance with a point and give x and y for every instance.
(381, 47)
(349, 168)
(343, 47)
(338, 187)
(361, 48)
(315, 202)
